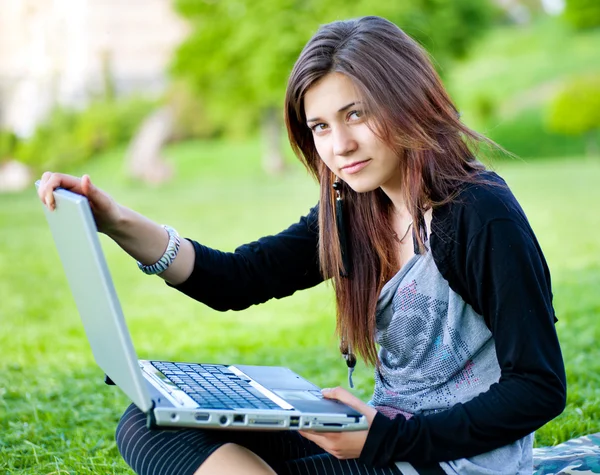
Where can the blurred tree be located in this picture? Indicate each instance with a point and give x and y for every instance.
(576, 110)
(190, 119)
(69, 137)
(240, 52)
(8, 144)
(535, 7)
(485, 107)
(583, 13)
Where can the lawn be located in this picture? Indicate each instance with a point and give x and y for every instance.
(56, 414)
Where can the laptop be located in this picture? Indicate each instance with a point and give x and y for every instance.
(173, 394)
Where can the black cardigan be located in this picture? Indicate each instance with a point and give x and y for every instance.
(484, 247)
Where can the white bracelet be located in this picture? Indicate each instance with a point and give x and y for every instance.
(167, 258)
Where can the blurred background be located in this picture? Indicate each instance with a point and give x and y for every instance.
(175, 108)
(78, 77)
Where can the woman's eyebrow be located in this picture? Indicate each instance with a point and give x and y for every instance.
(346, 107)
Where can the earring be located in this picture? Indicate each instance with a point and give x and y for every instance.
(339, 219)
(350, 359)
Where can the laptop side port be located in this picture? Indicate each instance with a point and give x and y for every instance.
(239, 419)
(294, 421)
(202, 416)
(266, 422)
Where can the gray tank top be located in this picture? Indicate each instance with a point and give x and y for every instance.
(435, 352)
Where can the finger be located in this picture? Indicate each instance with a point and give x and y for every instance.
(94, 195)
(341, 395)
(41, 189)
(86, 185)
(48, 191)
(45, 177)
(54, 181)
(67, 182)
(349, 399)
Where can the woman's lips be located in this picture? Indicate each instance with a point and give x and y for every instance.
(355, 167)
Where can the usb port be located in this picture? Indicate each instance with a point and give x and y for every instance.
(294, 421)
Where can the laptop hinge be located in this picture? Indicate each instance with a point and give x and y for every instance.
(151, 418)
(108, 381)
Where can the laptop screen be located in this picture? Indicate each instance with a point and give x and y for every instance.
(76, 239)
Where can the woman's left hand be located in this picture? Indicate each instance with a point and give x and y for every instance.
(343, 445)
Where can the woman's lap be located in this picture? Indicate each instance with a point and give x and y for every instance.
(181, 452)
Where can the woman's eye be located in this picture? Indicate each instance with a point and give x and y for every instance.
(318, 127)
(354, 115)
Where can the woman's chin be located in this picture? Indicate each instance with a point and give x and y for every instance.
(362, 187)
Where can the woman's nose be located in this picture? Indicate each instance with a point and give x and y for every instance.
(343, 142)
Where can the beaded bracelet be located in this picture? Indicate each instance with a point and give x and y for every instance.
(167, 258)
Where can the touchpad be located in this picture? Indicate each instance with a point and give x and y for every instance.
(290, 394)
(276, 377)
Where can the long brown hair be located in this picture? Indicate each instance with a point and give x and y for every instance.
(409, 109)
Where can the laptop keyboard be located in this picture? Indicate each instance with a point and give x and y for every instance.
(214, 386)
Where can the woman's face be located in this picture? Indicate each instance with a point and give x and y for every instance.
(343, 138)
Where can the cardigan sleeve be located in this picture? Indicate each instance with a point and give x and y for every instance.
(272, 267)
(501, 272)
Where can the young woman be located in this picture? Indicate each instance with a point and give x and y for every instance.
(431, 257)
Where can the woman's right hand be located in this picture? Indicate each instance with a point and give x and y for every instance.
(106, 211)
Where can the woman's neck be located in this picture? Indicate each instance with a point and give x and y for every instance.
(398, 199)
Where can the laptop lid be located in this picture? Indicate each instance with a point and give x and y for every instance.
(76, 238)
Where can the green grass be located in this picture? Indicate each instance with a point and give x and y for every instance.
(57, 416)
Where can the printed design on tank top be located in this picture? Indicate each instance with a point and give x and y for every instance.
(419, 343)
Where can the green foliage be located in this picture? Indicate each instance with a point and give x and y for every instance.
(485, 107)
(583, 14)
(447, 28)
(69, 137)
(526, 135)
(576, 108)
(8, 143)
(518, 70)
(240, 52)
